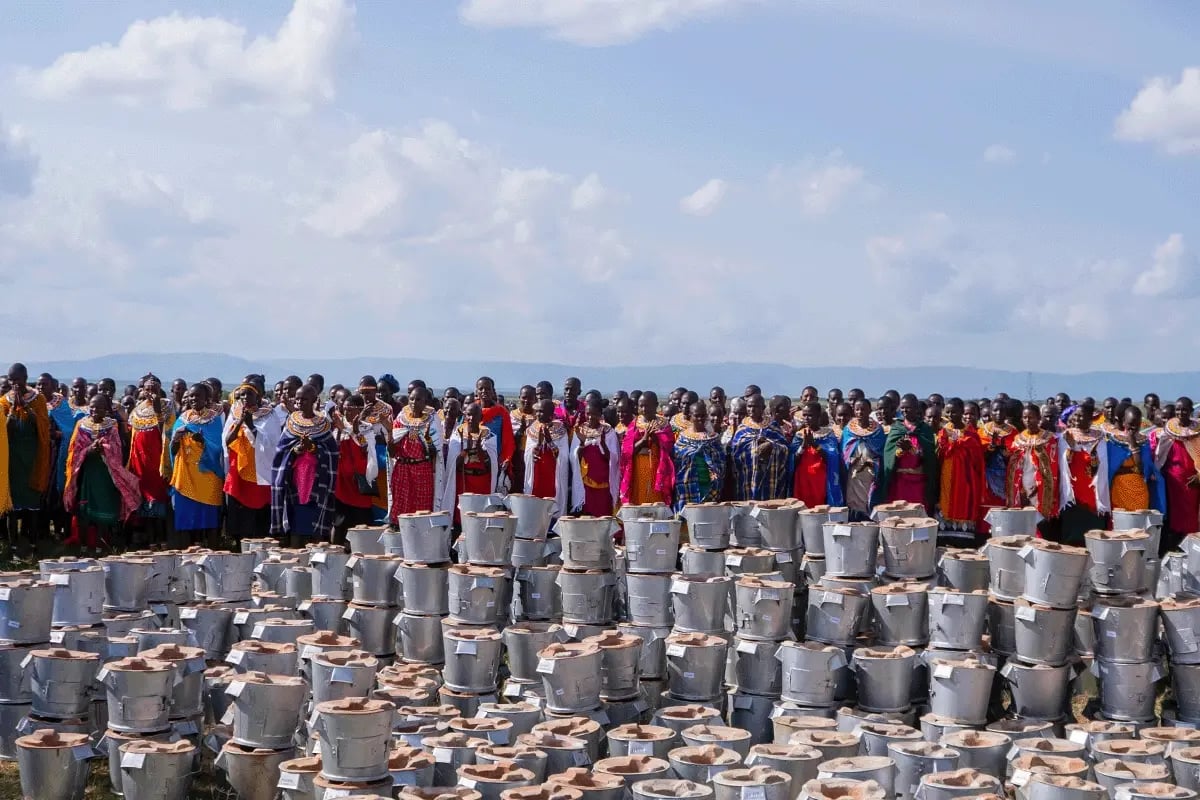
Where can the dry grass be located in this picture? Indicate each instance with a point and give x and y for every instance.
(98, 785)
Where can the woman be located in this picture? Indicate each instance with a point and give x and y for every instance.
(66, 412)
(647, 468)
(1134, 482)
(521, 417)
(417, 449)
(547, 457)
(996, 435)
(910, 457)
(1083, 467)
(28, 422)
(1177, 453)
(100, 492)
(197, 465)
(305, 468)
(473, 460)
(150, 424)
(251, 437)
(862, 455)
(962, 471)
(759, 452)
(816, 460)
(377, 414)
(699, 460)
(355, 487)
(1033, 466)
(595, 464)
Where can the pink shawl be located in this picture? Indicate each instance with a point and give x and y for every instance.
(664, 475)
(128, 485)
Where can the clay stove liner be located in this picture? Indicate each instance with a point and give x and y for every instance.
(643, 733)
(48, 739)
(1170, 735)
(755, 582)
(1069, 782)
(1160, 790)
(349, 658)
(689, 712)
(1052, 746)
(960, 778)
(1177, 603)
(173, 652)
(138, 664)
(512, 753)
(842, 789)
(975, 739)
(276, 680)
(453, 740)
(631, 765)
(64, 654)
(446, 712)
(613, 640)
(585, 780)
(1133, 769)
(568, 650)
(885, 652)
(545, 739)
(1120, 747)
(707, 755)
(486, 724)
(856, 764)
(327, 639)
(439, 793)
(806, 722)
(672, 787)
(571, 726)
(752, 776)
(309, 765)
(547, 791)
(499, 772)
(269, 648)
(835, 738)
(909, 587)
(695, 640)
(717, 733)
(354, 705)
(1032, 762)
(786, 751)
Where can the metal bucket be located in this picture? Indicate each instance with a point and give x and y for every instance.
(811, 522)
(1002, 625)
(587, 596)
(835, 615)
(14, 687)
(487, 537)
(1117, 560)
(1061, 787)
(1140, 751)
(472, 658)
(282, 631)
(884, 677)
(1127, 691)
(1185, 767)
(641, 740)
(226, 577)
(734, 784)
(764, 608)
(1006, 565)
(850, 548)
(523, 641)
(1053, 572)
(157, 770)
(273, 659)
(1008, 522)
(298, 582)
(1129, 780)
(53, 765)
(698, 561)
(961, 690)
(709, 525)
(373, 579)
(522, 716)
(119, 625)
(653, 662)
(252, 772)
(1181, 624)
(900, 614)
(330, 573)
(476, 503)
(296, 777)
(963, 570)
(650, 600)
(266, 709)
(700, 602)
(61, 681)
(789, 719)
(78, 596)
(365, 540)
(748, 561)
(879, 769)
(425, 588)
(915, 759)
(956, 618)
(533, 514)
(695, 666)
(738, 740)
(985, 751)
(138, 693)
(702, 764)
(809, 672)
(909, 547)
(477, 594)
(25, 611)
(570, 673)
(620, 656)
(831, 744)
(752, 713)
(1043, 634)
(1125, 628)
(587, 542)
(372, 626)
(492, 779)
(529, 758)
(126, 582)
(876, 736)
(752, 667)
(634, 769)
(536, 552)
(964, 782)
(651, 545)
(677, 718)
(149, 638)
(425, 536)
(797, 761)
(355, 738)
(339, 675)
(536, 595)
(187, 695)
(562, 752)
(450, 752)
(1039, 691)
(592, 785)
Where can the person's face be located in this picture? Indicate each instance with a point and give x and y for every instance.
(781, 411)
(862, 411)
(1049, 419)
(352, 412)
(1062, 400)
(910, 410)
(545, 412)
(646, 407)
(716, 396)
(79, 388)
(248, 399)
(485, 392)
(1083, 417)
(1031, 420)
(810, 416)
(128, 402)
(416, 399)
(542, 393)
(153, 387)
(1110, 409)
(930, 419)
(844, 412)
(370, 393)
(178, 388)
(306, 399)
(955, 413)
(1183, 411)
(385, 392)
(808, 395)
(937, 408)
(1151, 403)
(189, 399)
(339, 399)
(106, 388)
(971, 416)
(474, 416)
(570, 392)
(527, 398)
(46, 387)
(699, 416)
(98, 408)
(1133, 419)
(758, 408)
(625, 410)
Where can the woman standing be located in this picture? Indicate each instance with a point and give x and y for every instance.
(996, 435)
(28, 423)
(99, 492)
(910, 458)
(1134, 482)
(595, 464)
(759, 451)
(816, 460)
(1083, 465)
(150, 424)
(962, 472)
(473, 460)
(355, 489)
(417, 449)
(699, 460)
(863, 440)
(547, 457)
(521, 417)
(198, 465)
(251, 437)
(1177, 453)
(647, 468)
(1033, 466)
(302, 479)
(377, 414)
(65, 414)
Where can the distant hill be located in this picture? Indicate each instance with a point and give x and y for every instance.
(509, 375)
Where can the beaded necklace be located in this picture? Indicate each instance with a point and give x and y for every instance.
(298, 425)
(1175, 431)
(855, 427)
(90, 424)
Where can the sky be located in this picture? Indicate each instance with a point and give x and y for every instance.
(605, 182)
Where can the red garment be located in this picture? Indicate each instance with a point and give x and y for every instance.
(962, 482)
(908, 482)
(251, 495)
(1183, 499)
(352, 462)
(412, 483)
(809, 485)
(545, 474)
(145, 461)
(1081, 477)
(502, 429)
(597, 493)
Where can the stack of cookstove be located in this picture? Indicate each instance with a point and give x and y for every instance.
(26, 606)
(424, 577)
(588, 578)
(374, 591)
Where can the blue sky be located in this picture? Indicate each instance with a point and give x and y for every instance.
(605, 181)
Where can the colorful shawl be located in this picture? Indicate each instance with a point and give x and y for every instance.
(588, 470)
(759, 477)
(962, 478)
(1120, 449)
(66, 416)
(996, 460)
(33, 408)
(198, 469)
(1042, 451)
(317, 487)
(827, 441)
(929, 459)
(861, 446)
(109, 435)
(699, 467)
(664, 473)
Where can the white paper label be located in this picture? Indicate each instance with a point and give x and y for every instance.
(689, 675)
(833, 598)
(546, 666)
(56, 637)
(443, 755)
(465, 648)
(235, 688)
(132, 760)
(467, 782)
(896, 600)
(241, 617)
(943, 671)
(1026, 613)
(1079, 736)
(102, 675)
(14, 623)
(952, 599)
(288, 780)
(741, 701)
(317, 558)
(784, 557)
(257, 631)
(754, 793)
(676, 650)
(680, 587)
(4, 592)
(660, 528)
(187, 613)
(60, 579)
(1020, 777)
(235, 656)
(747, 647)
(733, 561)
(535, 595)
(640, 747)
(920, 535)
(1100, 612)
(342, 675)
(580, 758)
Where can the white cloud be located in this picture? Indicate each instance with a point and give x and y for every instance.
(1174, 271)
(595, 23)
(820, 184)
(188, 63)
(704, 200)
(1165, 113)
(18, 164)
(999, 154)
(591, 194)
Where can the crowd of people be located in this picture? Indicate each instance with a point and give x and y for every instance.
(83, 465)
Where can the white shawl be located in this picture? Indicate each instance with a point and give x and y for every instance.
(614, 468)
(1100, 483)
(562, 470)
(449, 497)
